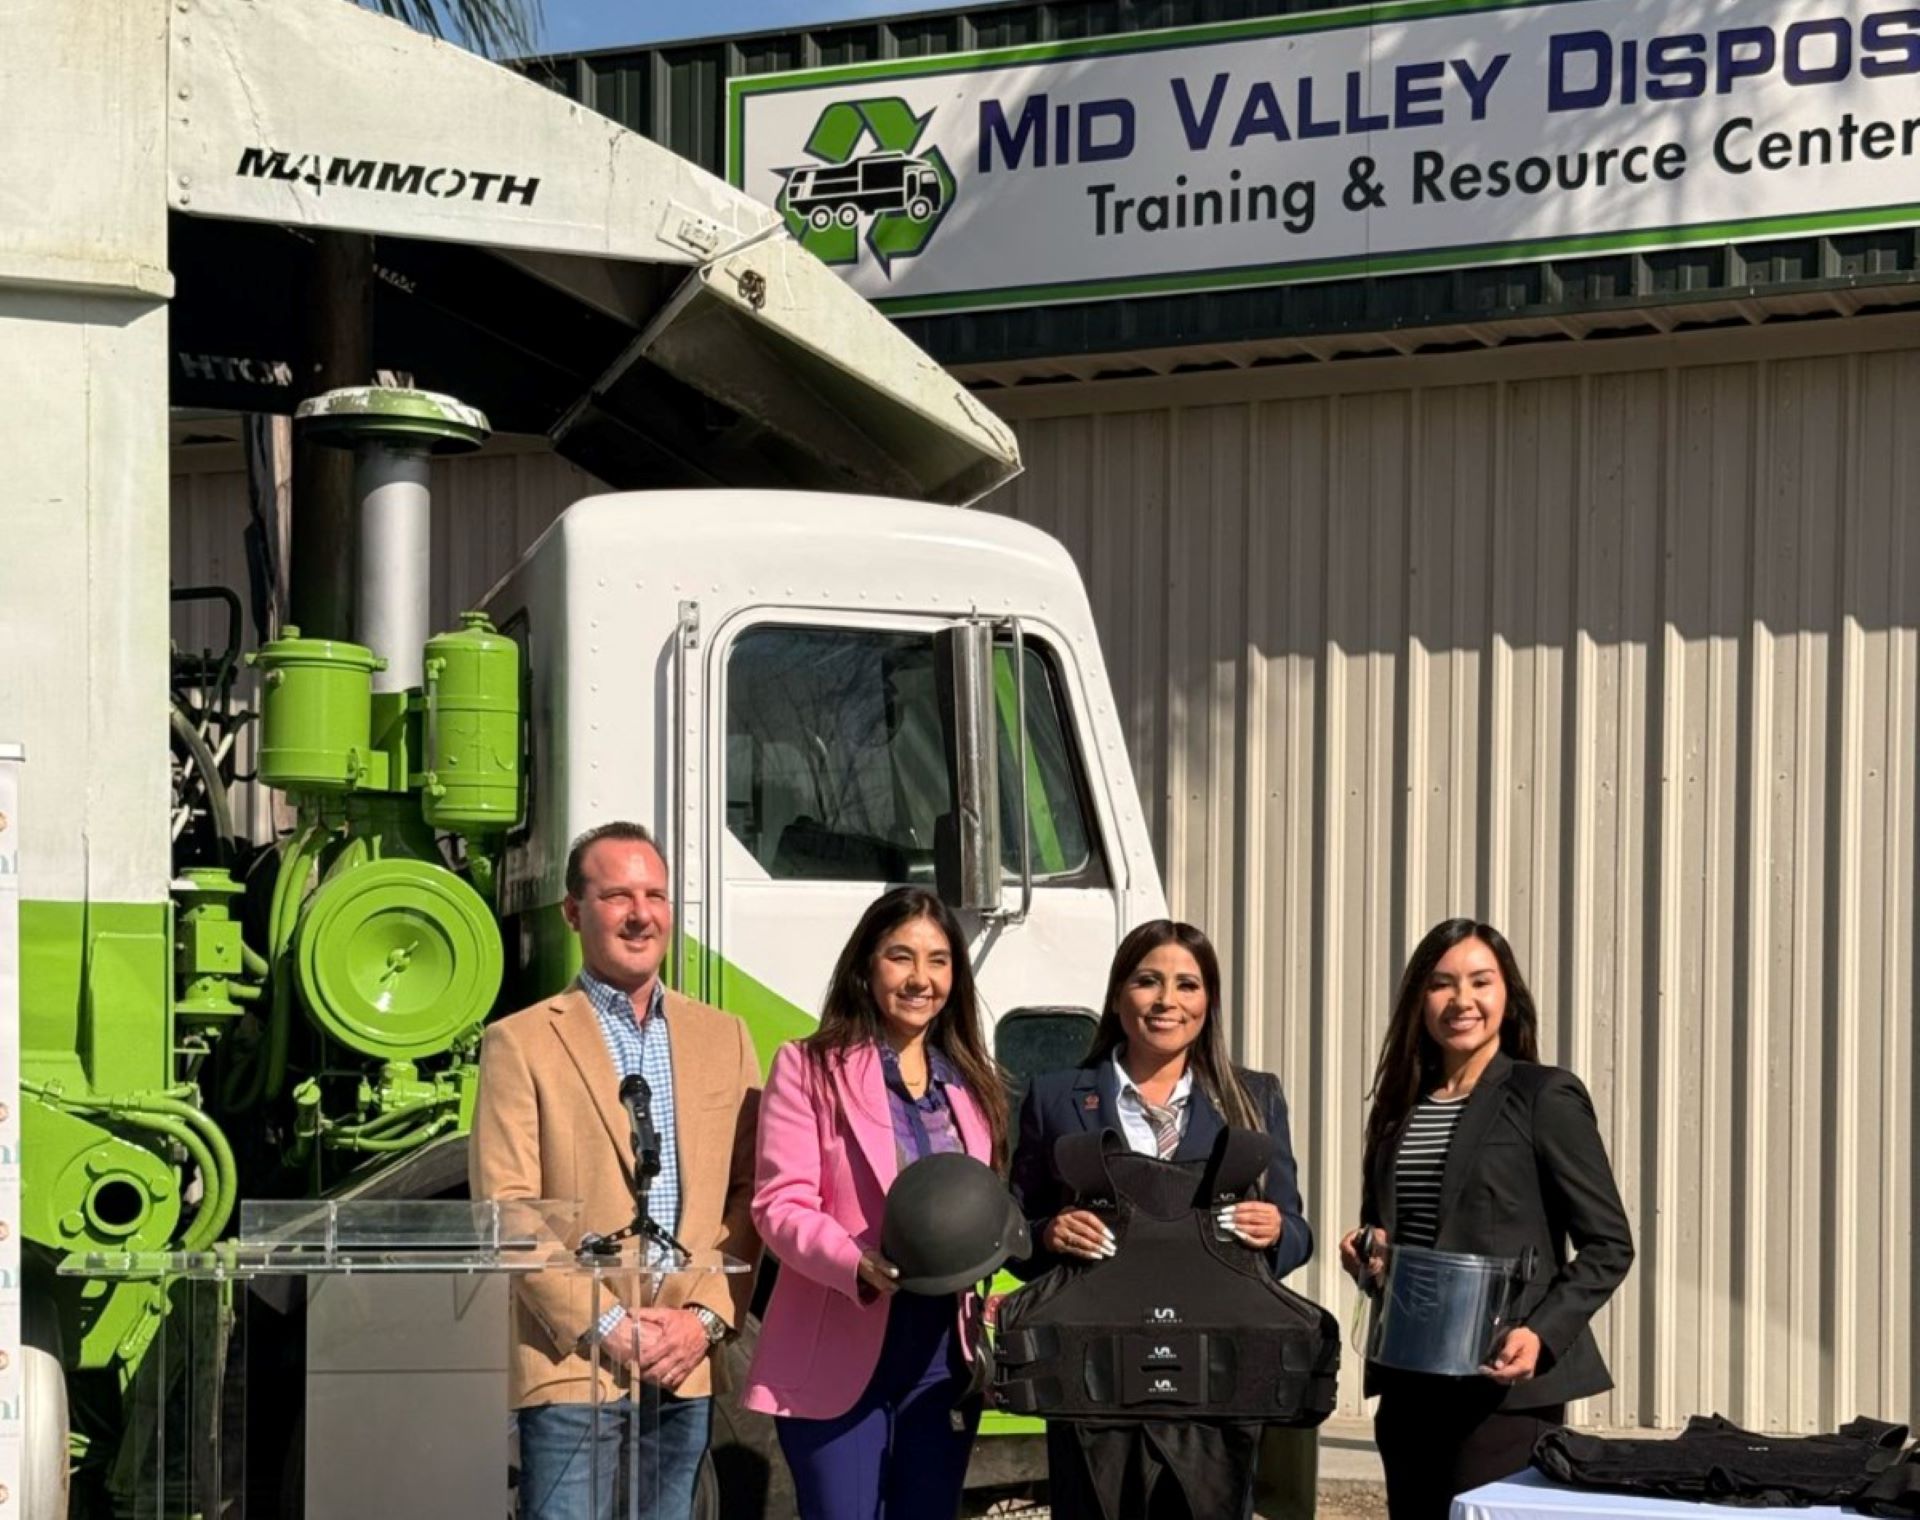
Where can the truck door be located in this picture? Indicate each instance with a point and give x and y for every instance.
(830, 745)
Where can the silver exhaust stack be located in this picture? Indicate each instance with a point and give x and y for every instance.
(394, 434)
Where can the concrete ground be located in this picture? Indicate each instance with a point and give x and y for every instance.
(1351, 1486)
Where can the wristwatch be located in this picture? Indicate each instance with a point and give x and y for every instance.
(717, 1329)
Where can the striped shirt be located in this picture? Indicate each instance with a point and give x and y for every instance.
(1418, 1168)
(642, 1046)
(1136, 1127)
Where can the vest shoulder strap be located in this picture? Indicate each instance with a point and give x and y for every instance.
(1238, 1161)
(1081, 1161)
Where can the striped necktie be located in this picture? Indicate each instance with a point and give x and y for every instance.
(1165, 1120)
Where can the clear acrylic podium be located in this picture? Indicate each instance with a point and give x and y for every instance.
(349, 1358)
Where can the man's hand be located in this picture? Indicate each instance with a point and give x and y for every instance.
(667, 1345)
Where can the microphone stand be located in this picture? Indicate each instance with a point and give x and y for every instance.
(636, 1097)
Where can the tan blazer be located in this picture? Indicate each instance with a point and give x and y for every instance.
(549, 1125)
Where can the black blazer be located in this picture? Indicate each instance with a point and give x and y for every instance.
(1086, 1098)
(1527, 1168)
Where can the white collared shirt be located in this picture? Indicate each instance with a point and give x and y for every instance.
(1134, 1123)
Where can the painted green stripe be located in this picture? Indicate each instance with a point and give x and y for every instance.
(771, 1019)
(553, 961)
(1040, 825)
(1400, 263)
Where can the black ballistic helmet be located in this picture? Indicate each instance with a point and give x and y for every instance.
(950, 1223)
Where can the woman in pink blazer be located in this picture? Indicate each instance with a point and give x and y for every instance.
(863, 1382)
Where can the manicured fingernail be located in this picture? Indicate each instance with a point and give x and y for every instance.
(1109, 1249)
(1243, 1237)
(1106, 1234)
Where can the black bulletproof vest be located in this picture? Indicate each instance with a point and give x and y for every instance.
(1177, 1325)
(1715, 1460)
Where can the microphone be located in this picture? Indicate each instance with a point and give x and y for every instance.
(637, 1098)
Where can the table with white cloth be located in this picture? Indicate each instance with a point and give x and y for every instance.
(1533, 1495)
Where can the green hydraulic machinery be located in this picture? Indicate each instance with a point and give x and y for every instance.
(327, 996)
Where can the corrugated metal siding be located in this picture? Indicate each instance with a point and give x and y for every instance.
(1624, 662)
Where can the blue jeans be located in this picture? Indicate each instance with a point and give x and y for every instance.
(567, 1463)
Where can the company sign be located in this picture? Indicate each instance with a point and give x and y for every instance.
(1366, 141)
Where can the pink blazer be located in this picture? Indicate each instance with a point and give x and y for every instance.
(821, 1174)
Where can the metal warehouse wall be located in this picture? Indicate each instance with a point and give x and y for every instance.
(1613, 646)
(1611, 643)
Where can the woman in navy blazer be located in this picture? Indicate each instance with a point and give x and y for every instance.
(1158, 1073)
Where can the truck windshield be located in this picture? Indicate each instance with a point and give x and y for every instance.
(836, 767)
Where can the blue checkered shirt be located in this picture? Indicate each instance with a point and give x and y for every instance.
(642, 1046)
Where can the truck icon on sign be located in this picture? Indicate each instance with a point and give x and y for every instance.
(826, 194)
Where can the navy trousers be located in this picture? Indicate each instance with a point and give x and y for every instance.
(901, 1452)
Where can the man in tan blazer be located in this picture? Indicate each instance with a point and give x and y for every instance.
(550, 1124)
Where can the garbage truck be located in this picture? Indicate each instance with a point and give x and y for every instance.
(781, 638)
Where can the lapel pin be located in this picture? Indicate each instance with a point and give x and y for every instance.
(1090, 1102)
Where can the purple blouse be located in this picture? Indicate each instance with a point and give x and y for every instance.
(924, 1125)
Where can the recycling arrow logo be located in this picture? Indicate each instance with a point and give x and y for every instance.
(868, 169)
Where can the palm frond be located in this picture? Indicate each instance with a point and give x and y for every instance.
(493, 28)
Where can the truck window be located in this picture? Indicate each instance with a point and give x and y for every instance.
(1060, 844)
(837, 769)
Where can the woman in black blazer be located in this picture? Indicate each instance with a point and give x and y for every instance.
(1159, 1075)
(1474, 1146)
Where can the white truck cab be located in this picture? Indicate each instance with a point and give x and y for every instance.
(777, 682)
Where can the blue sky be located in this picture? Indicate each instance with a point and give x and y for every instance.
(576, 25)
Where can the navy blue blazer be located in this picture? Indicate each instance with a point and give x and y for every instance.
(1086, 1098)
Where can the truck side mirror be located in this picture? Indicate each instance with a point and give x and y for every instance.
(966, 841)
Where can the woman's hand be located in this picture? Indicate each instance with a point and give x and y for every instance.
(1367, 1271)
(1078, 1232)
(879, 1274)
(1256, 1222)
(1517, 1358)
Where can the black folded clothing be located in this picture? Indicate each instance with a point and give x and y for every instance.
(1714, 1461)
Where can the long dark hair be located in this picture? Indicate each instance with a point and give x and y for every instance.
(849, 1016)
(1212, 1069)
(1409, 1059)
